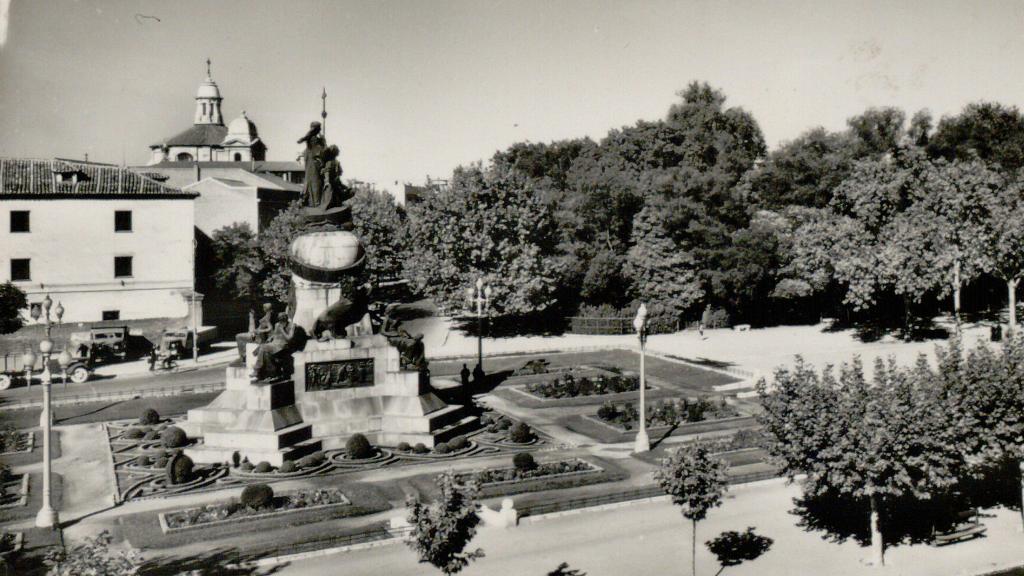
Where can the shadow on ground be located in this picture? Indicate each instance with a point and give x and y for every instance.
(222, 562)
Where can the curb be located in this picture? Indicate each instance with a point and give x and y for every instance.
(274, 560)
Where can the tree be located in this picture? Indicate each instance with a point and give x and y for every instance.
(733, 548)
(563, 569)
(988, 131)
(696, 482)
(274, 242)
(93, 557)
(489, 223)
(1005, 249)
(380, 225)
(239, 268)
(442, 530)
(12, 302)
(859, 440)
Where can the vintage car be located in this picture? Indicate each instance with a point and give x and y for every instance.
(107, 344)
(12, 366)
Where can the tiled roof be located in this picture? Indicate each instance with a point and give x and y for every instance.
(251, 165)
(197, 135)
(25, 178)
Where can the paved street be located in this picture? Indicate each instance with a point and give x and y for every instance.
(653, 538)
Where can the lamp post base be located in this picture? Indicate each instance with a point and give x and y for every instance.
(643, 443)
(46, 518)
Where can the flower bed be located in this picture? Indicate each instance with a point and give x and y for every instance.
(14, 441)
(234, 511)
(569, 386)
(496, 476)
(666, 413)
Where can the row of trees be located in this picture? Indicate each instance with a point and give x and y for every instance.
(889, 217)
(907, 434)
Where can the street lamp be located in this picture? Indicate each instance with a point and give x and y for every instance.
(482, 295)
(47, 516)
(643, 443)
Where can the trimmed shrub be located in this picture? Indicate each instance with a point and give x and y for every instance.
(151, 435)
(520, 433)
(607, 411)
(458, 443)
(442, 448)
(161, 462)
(134, 433)
(420, 448)
(143, 461)
(246, 466)
(504, 424)
(287, 467)
(524, 461)
(257, 496)
(403, 447)
(150, 417)
(179, 469)
(358, 447)
(310, 460)
(174, 437)
(486, 419)
(236, 458)
(263, 468)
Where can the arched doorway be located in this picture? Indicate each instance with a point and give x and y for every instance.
(183, 157)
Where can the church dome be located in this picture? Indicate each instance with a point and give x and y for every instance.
(208, 89)
(242, 127)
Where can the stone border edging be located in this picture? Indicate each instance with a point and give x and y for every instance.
(166, 529)
(23, 499)
(594, 468)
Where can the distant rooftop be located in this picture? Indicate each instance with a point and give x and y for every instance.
(39, 178)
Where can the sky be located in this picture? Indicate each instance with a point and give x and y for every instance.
(418, 87)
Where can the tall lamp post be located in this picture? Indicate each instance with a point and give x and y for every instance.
(47, 516)
(643, 443)
(482, 295)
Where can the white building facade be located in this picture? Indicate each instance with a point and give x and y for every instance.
(107, 243)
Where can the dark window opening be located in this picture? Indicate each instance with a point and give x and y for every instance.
(20, 269)
(123, 221)
(122, 266)
(19, 221)
(184, 157)
(111, 314)
(238, 157)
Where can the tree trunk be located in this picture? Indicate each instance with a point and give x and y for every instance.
(1011, 290)
(956, 295)
(877, 551)
(693, 550)
(1021, 466)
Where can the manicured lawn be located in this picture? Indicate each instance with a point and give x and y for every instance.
(35, 498)
(607, 435)
(36, 455)
(143, 529)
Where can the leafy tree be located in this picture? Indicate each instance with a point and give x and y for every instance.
(989, 131)
(238, 265)
(380, 225)
(491, 224)
(733, 548)
(802, 172)
(1005, 248)
(12, 302)
(696, 481)
(274, 242)
(860, 440)
(443, 529)
(877, 131)
(93, 556)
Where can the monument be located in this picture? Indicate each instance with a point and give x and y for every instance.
(324, 370)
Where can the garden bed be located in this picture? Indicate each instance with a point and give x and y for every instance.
(234, 512)
(16, 492)
(552, 476)
(13, 442)
(574, 386)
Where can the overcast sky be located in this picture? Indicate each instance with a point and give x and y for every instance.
(417, 87)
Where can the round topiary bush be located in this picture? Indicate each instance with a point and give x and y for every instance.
(358, 447)
(151, 435)
(174, 437)
(257, 496)
(458, 443)
(246, 466)
(149, 417)
(287, 467)
(524, 462)
(442, 448)
(403, 447)
(263, 468)
(134, 433)
(310, 460)
(161, 462)
(486, 419)
(143, 461)
(420, 448)
(520, 433)
(179, 469)
(504, 424)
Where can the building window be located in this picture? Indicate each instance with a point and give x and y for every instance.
(20, 269)
(111, 314)
(122, 266)
(123, 221)
(184, 157)
(238, 157)
(19, 221)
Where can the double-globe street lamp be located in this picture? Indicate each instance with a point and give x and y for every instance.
(47, 516)
(481, 294)
(643, 443)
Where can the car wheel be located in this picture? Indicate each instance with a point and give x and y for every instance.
(5, 381)
(79, 374)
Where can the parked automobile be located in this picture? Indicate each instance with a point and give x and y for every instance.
(101, 345)
(12, 366)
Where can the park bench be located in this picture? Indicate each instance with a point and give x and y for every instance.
(964, 527)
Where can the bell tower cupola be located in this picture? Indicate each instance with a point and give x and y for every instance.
(208, 101)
